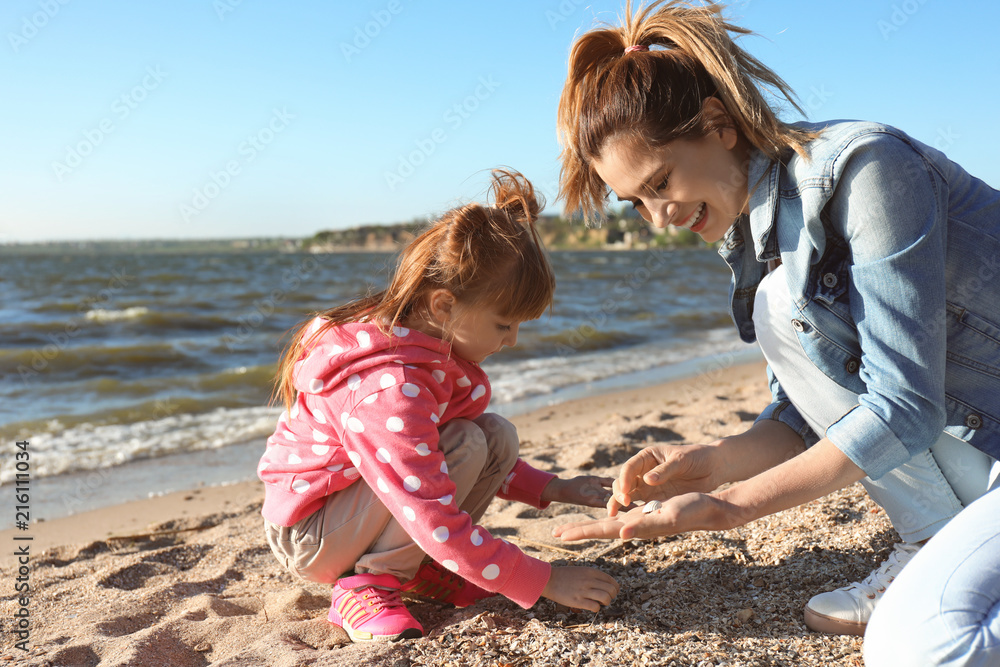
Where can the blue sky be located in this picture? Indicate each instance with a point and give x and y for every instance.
(234, 118)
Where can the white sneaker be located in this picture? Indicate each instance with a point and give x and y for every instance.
(846, 610)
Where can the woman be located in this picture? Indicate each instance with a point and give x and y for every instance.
(865, 264)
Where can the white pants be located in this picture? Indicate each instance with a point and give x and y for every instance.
(944, 608)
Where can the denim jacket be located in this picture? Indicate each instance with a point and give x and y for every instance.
(892, 256)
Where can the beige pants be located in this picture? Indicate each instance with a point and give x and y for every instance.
(355, 531)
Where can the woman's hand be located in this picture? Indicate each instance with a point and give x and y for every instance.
(580, 587)
(661, 472)
(680, 514)
(819, 470)
(587, 490)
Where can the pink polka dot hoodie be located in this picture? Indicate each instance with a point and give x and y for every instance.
(368, 408)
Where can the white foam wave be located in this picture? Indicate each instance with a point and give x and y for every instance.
(515, 381)
(102, 315)
(89, 447)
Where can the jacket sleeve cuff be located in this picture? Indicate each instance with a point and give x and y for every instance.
(525, 484)
(868, 441)
(785, 412)
(527, 581)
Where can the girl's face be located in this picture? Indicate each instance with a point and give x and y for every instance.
(696, 184)
(476, 332)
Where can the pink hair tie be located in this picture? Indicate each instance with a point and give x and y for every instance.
(636, 47)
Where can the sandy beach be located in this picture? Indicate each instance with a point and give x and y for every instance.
(187, 579)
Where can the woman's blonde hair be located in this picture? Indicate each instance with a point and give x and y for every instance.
(653, 96)
(489, 255)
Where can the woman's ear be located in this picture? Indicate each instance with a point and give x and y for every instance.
(715, 115)
(440, 303)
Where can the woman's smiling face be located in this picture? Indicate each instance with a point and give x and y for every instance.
(697, 184)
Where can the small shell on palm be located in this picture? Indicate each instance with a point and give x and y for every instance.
(651, 506)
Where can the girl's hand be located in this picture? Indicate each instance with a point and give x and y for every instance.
(580, 587)
(661, 472)
(587, 490)
(680, 514)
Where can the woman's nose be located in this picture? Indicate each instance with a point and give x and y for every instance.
(659, 213)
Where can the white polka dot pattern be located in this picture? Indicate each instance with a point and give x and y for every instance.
(438, 375)
(315, 386)
(383, 455)
(355, 458)
(423, 449)
(463, 381)
(382, 486)
(440, 534)
(409, 513)
(451, 565)
(445, 500)
(491, 572)
(411, 483)
(354, 382)
(364, 339)
(411, 390)
(300, 486)
(394, 424)
(320, 450)
(386, 381)
(476, 538)
(293, 459)
(355, 425)
(319, 436)
(402, 332)
(478, 392)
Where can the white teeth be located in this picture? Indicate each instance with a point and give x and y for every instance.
(695, 217)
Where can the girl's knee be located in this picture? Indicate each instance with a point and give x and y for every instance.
(501, 439)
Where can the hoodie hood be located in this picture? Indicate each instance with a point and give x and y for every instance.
(348, 349)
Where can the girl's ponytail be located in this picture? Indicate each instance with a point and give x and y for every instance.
(513, 194)
(654, 94)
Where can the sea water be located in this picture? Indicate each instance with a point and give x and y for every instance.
(152, 372)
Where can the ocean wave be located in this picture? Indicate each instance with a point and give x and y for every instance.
(90, 447)
(102, 315)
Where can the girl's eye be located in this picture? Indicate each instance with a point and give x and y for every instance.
(636, 204)
(503, 327)
(663, 184)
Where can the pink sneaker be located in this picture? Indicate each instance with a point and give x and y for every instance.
(433, 582)
(369, 608)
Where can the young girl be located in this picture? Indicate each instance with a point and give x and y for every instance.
(865, 265)
(385, 455)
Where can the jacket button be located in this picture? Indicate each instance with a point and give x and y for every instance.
(830, 280)
(973, 421)
(851, 366)
(798, 325)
